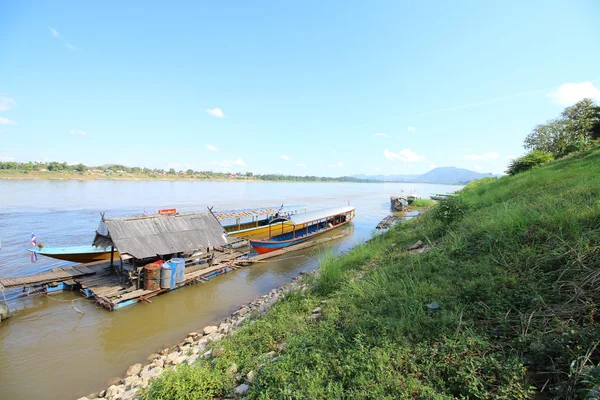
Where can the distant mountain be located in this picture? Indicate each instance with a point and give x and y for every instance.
(388, 178)
(442, 175)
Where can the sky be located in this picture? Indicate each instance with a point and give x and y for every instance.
(326, 88)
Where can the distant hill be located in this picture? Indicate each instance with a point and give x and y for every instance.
(442, 175)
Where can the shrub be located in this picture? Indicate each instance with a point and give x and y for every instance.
(528, 161)
(450, 210)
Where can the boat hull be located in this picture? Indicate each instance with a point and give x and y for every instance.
(267, 246)
(75, 254)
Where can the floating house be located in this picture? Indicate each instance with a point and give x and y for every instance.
(144, 238)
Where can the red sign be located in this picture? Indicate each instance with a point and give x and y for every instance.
(168, 211)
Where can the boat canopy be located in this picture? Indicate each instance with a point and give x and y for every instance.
(310, 216)
(255, 212)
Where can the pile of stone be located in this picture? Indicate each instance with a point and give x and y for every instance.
(196, 345)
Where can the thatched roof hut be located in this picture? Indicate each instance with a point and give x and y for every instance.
(146, 236)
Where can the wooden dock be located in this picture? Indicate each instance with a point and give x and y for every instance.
(54, 275)
(111, 290)
(387, 222)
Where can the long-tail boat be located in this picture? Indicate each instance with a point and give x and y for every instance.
(305, 226)
(78, 254)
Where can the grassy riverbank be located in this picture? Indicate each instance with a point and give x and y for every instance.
(503, 304)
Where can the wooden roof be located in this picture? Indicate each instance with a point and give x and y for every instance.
(151, 235)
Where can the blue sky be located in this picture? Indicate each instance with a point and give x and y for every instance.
(325, 88)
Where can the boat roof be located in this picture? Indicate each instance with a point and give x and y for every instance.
(319, 214)
(250, 212)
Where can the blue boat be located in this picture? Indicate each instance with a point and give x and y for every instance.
(305, 226)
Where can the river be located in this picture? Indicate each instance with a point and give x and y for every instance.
(48, 350)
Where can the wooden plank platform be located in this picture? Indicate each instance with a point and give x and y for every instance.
(54, 275)
(387, 221)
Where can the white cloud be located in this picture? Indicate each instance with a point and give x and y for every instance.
(432, 166)
(301, 165)
(54, 32)
(6, 121)
(227, 164)
(381, 134)
(570, 93)
(406, 155)
(6, 103)
(6, 158)
(286, 158)
(337, 164)
(211, 147)
(487, 156)
(78, 132)
(70, 46)
(215, 112)
(376, 169)
(412, 129)
(477, 168)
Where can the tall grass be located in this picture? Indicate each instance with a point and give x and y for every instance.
(503, 305)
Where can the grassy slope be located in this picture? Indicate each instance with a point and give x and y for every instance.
(514, 266)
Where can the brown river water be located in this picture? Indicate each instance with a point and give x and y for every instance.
(50, 351)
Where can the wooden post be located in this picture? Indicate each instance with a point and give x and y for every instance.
(112, 255)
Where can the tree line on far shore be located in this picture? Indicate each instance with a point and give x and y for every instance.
(54, 166)
(577, 129)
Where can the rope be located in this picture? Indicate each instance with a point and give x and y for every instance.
(67, 301)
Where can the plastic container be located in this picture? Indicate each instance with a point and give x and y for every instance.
(152, 277)
(180, 268)
(166, 276)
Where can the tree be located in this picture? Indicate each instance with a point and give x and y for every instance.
(575, 130)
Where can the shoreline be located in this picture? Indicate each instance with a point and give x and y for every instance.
(196, 345)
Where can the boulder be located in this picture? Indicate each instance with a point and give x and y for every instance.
(134, 369)
(130, 394)
(250, 376)
(242, 389)
(131, 381)
(233, 369)
(172, 357)
(208, 354)
(154, 372)
(153, 357)
(210, 329)
(115, 392)
(180, 360)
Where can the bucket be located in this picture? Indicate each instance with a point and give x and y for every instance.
(166, 276)
(180, 268)
(152, 277)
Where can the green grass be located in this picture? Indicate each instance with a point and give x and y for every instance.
(514, 265)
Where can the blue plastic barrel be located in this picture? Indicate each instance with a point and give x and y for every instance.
(167, 280)
(180, 268)
(173, 273)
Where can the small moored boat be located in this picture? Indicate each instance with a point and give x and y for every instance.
(441, 196)
(398, 203)
(77, 254)
(305, 226)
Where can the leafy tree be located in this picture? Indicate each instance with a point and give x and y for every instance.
(528, 161)
(575, 130)
(80, 168)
